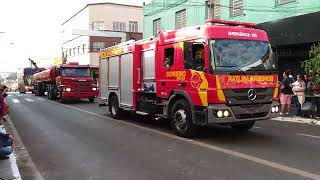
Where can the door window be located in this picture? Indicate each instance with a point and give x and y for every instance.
(194, 56)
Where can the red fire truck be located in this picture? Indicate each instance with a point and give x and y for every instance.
(67, 81)
(219, 73)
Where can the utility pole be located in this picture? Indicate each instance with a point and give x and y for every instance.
(210, 9)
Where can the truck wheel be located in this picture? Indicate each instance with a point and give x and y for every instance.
(114, 108)
(36, 92)
(242, 127)
(182, 119)
(91, 100)
(49, 95)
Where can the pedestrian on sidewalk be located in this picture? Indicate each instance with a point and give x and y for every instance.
(6, 141)
(298, 88)
(286, 93)
(3, 108)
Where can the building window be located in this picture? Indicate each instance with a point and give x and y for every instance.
(181, 19)
(97, 25)
(133, 26)
(156, 27)
(70, 52)
(236, 8)
(96, 46)
(279, 2)
(119, 26)
(214, 9)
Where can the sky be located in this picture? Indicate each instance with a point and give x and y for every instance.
(32, 29)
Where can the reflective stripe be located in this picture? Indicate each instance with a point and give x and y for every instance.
(220, 93)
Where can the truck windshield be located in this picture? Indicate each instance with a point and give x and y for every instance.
(75, 72)
(241, 56)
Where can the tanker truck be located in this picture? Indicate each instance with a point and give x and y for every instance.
(69, 81)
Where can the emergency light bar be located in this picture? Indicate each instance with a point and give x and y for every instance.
(231, 23)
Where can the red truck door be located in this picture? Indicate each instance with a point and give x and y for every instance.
(170, 72)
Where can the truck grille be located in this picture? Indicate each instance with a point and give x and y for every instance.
(240, 96)
(249, 116)
(82, 86)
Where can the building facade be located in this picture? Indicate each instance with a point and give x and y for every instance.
(162, 15)
(98, 26)
(290, 24)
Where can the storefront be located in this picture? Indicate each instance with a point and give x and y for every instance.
(292, 38)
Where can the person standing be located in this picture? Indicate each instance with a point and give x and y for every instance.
(298, 88)
(286, 93)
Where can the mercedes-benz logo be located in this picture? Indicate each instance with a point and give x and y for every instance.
(252, 94)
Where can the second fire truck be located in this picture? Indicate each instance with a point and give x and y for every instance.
(69, 81)
(219, 73)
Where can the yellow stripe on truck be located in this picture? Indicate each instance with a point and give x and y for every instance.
(202, 89)
(220, 93)
(276, 90)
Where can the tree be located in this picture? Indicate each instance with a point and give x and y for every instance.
(311, 66)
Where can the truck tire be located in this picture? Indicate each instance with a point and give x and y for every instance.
(242, 127)
(49, 95)
(91, 100)
(114, 108)
(182, 119)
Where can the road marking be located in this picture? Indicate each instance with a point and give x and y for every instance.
(256, 127)
(28, 99)
(19, 95)
(251, 158)
(9, 95)
(40, 98)
(307, 135)
(16, 101)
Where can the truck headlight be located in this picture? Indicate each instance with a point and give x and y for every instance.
(220, 114)
(94, 89)
(68, 89)
(226, 113)
(275, 109)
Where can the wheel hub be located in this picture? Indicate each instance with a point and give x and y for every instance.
(180, 119)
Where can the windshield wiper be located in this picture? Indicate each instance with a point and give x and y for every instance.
(236, 68)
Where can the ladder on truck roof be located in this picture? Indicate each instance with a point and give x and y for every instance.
(129, 43)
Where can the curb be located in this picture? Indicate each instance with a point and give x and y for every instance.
(13, 162)
(300, 120)
(24, 161)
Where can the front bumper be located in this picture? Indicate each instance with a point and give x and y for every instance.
(241, 113)
(79, 95)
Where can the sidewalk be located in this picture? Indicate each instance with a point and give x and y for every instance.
(9, 169)
(297, 119)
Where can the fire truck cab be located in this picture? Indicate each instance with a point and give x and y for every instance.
(219, 73)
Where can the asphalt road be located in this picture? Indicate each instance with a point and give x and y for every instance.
(81, 141)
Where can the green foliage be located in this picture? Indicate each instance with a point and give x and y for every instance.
(311, 66)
